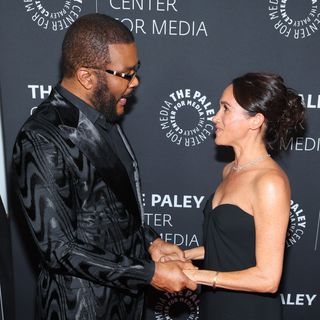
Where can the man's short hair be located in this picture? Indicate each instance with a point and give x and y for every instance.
(86, 42)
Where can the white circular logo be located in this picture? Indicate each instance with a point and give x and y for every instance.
(295, 19)
(54, 15)
(297, 224)
(186, 117)
(183, 305)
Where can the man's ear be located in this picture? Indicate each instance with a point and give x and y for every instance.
(257, 121)
(85, 78)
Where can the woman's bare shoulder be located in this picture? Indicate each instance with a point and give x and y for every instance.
(271, 175)
(271, 184)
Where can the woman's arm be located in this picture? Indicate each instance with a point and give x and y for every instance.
(271, 207)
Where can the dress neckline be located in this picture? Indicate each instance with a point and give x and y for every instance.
(232, 205)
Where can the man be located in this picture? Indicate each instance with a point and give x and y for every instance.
(79, 185)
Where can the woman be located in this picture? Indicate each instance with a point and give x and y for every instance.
(247, 217)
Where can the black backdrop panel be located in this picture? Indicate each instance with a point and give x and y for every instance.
(189, 51)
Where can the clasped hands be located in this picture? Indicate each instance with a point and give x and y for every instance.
(171, 267)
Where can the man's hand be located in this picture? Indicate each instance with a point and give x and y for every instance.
(169, 276)
(165, 251)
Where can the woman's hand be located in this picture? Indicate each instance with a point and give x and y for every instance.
(194, 253)
(162, 251)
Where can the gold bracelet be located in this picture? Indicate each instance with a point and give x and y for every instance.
(215, 280)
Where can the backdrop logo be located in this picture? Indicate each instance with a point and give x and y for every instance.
(295, 19)
(186, 117)
(297, 224)
(298, 299)
(54, 15)
(172, 305)
(157, 10)
(307, 144)
(311, 101)
(39, 91)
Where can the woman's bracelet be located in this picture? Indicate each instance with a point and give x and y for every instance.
(215, 280)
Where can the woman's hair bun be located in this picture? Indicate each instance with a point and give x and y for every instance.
(281, 106)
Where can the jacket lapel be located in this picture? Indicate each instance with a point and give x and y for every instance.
(87, 138)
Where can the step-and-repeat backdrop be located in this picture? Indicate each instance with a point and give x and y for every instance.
(189, 51)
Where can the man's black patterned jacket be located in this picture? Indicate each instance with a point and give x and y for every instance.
(84, 217)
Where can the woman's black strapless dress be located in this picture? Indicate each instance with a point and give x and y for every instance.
(229, 240)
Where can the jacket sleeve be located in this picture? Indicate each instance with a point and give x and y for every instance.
(45, 190)
(150, 235)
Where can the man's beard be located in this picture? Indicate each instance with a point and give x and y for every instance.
(104, 102)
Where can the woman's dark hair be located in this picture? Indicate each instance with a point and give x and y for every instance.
(87, 40)
(282, 107)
